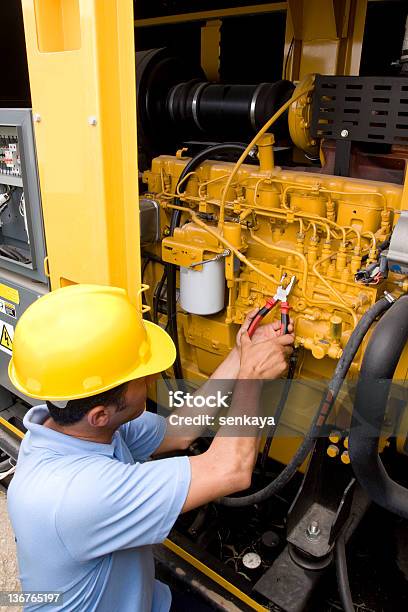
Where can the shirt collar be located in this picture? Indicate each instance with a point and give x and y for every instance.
(40, 436)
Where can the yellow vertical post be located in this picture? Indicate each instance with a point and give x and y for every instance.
(323, 36)
(351, 45)
(404, 199)
(210, 48)
(81, 60)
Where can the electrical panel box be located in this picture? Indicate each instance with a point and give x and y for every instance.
(22, 244)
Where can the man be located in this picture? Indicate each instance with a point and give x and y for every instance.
(85, 503)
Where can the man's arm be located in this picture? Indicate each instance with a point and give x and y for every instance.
(222, 380)
(226, 467)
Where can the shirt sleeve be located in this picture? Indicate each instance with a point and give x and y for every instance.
(110, 505)
(144, 435)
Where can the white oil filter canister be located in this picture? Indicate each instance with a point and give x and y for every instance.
(202, 292)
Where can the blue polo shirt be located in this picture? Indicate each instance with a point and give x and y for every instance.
(86, 514)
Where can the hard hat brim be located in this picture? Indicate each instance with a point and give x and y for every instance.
(163, 354)
(163, 350)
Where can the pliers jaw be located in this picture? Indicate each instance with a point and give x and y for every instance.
(281, 296)
(282, 293)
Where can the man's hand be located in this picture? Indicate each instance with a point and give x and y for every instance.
(226, 467)
(264, 359)
(263, 332)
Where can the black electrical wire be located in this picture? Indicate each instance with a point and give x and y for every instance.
(381, 247)
(278, 413)
(321, 415)
(145, 264)
(147, 258)
(170, 269)
(287, 57)
(157, 295)
(342, 575)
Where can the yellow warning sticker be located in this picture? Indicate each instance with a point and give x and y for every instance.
(9, 293)
(6, 338)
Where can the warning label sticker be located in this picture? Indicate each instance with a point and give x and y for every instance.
(8, 308)
(6, 337)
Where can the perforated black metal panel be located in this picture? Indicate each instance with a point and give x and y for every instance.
(364, 109)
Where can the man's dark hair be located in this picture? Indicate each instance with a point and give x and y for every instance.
(76, 409)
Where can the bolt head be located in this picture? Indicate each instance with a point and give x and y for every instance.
(344, 133)
(92, 120)
(37, 117)
(313, 530)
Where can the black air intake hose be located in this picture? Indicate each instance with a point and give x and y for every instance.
(380, 361)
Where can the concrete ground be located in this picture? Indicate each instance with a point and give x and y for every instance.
(8, 561)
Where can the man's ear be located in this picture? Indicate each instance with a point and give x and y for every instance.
(99, 416)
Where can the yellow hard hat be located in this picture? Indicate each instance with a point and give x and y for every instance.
(82, 340)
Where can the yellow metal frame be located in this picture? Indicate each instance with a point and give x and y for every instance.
(82, 74)
(324, 36)
(14, 430)
(210, 48)
(238, 11)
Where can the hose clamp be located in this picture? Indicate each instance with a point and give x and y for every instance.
(194, 104)
(252, 106)
(390, 298)
(170, 101)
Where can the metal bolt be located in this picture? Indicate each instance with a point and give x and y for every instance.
(313, 530)
(92, 120)
(344, 133)
(37, 117)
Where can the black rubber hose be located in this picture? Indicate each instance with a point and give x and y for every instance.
(380, 361)
(323, 412)
(152, 257)
(208, 153)
(202, 156)
(342, 576)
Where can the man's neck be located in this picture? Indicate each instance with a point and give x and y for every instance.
(78, 431)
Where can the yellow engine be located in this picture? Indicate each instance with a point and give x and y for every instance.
(234, 247)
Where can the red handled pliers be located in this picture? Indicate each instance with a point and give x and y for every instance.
(280, 296)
